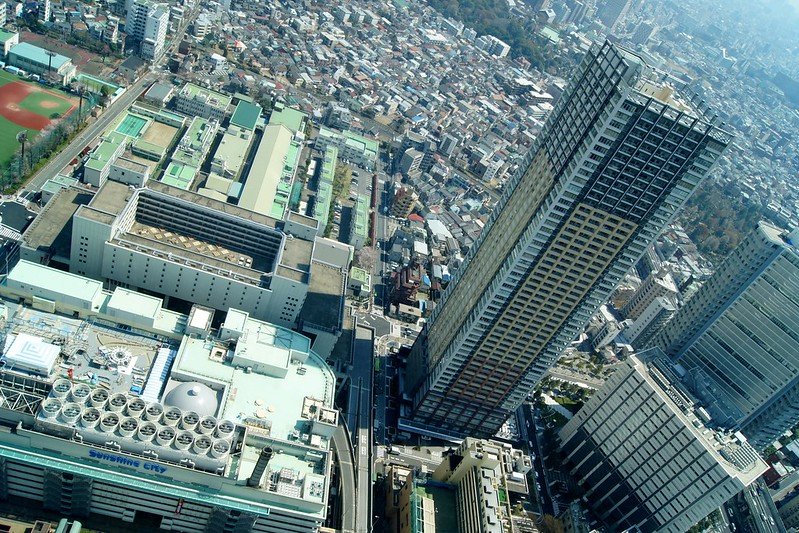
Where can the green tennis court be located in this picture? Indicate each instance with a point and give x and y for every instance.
(132, 125)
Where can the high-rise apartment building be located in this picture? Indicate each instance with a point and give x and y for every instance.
(147, 23)
(641, 449)
(618, 156)
(738, 337)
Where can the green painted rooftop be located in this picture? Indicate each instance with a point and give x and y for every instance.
(216, 98)
(6, 35)
(361, 226)
(178, 175)
(102, 155)
(38, 55)
(291, 118)
(246, 115)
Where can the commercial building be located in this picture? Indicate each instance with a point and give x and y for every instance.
(415, 503)
(492, 46)
(654, 286)
(485, 473)
(98, 166)
(352, 148)
(8, 39)
(410, 162)
(121, 408)
(268, 184)
(650, 321)
(35, 60)
(147, 23)
(618, 156)
(189, 154)
(247, 115)
(293, 119)
(183, 245)
(642, 450)
(737, 336)
(229, 157)
(197, 101)
(324, 188)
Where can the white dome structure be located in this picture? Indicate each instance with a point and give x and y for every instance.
(193, 396)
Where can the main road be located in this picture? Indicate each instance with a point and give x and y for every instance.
(360, 423)
(62, 159)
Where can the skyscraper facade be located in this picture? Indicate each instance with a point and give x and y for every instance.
(641, 449)
(619, 154)
(738, 337)
(611, 12)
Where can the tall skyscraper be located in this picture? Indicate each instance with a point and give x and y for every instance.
(641, 449)
(611, 12)
(618, 156)
(738, 337)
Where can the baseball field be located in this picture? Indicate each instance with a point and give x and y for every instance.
(27, 105)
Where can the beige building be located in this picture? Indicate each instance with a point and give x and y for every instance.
(485, 473)
(653, 287)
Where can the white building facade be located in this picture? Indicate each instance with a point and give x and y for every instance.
(737, 336)
(641, 450)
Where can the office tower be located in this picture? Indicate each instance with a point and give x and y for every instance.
(612, 12)
(654, 286)
(641, 449)
(649, 322)
(618, 156)
(737, 337)
(147, 23)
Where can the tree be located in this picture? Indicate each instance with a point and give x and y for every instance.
(550, 524)
(366, 258)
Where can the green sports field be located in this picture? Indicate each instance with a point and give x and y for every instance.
(46, 104)
(8, 139)
(26, 106)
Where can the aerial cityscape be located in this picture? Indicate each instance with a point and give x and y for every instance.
(412, 266)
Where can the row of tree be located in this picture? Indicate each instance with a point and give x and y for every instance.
(41, 147)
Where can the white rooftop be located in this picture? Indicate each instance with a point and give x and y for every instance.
(31, 354)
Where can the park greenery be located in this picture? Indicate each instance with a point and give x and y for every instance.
(341, 181)
(492, 17)
(717, 217)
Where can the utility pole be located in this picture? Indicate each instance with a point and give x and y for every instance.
(21, 138)
(50, 56)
